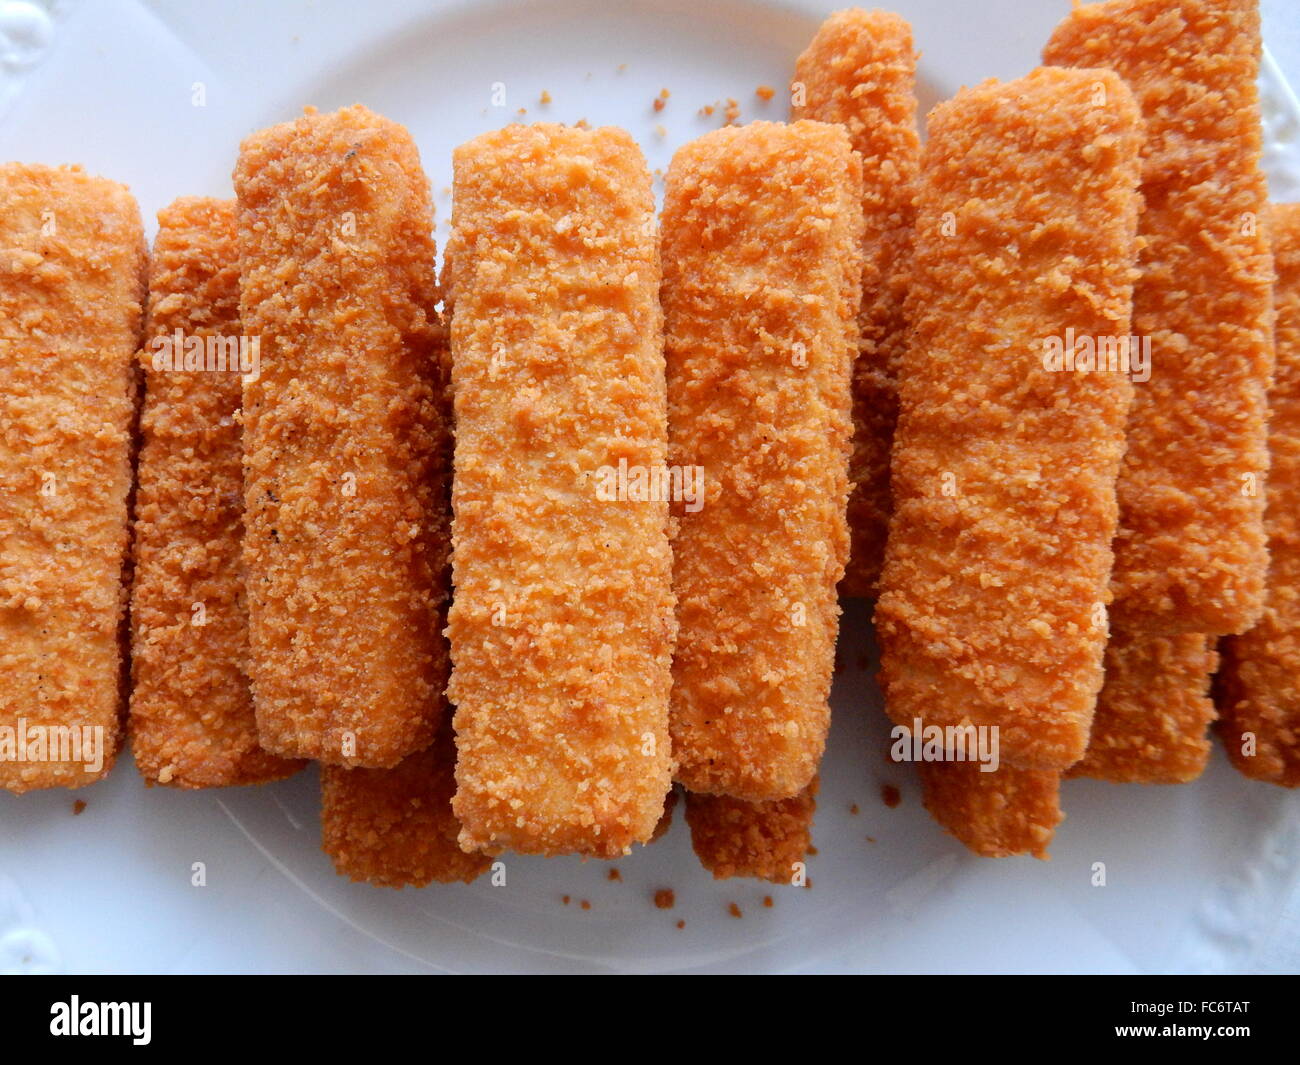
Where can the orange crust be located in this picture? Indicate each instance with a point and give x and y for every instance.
(1154, 711)
(999, 554)
(395, 827)
(1259, 684)
(191, 722)
(997, 815)
(763, 840)
(762, 255)
(344, 488)
(562, 624)
(860, 71)
(1191, 554)
(72, 284)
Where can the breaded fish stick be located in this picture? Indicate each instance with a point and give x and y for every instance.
(762, 247)
(562, 624)
(1258, 686)
(1154, 711)
(1006, 812)
(860, 71)
(72, 283)
(1191, 555)
(344, 439)
(763, 840)
(191, 722)
(395, 827)
(1004, 465)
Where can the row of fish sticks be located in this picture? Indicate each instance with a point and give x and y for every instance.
(601, 503)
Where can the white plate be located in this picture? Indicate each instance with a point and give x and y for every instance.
(1202, 877)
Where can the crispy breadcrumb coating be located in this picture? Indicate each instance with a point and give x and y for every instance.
(1259, 685)
(1191, 553)
(764, 840)
(1154, 711)
(998, 563)
(562, 623)
(762, 246)
(191, 721)
(72, 283)
(395, 827)
(346, 537)
(999, 814)
(860, 71)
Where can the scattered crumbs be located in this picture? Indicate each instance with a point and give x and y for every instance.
(767, 901)
(522, 111)
(812, 851)
(545, 98)
(582, 123)
(78, 806)
(871, 839)
(565, 899)
(853, 809)
(446, 190)
(734, 910)
(660, 131)
(585, 904)
(681, 924)
(808, 884)
(622, 67)
(706, 110)
(765, 92)
(732, 112)
(662, 99)
(614, 874)
(665, 899)
(890, 796)
(658, 104)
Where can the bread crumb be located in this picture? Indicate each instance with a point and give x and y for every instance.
(767, 901)
(890, 796)
(78, 806)
(665, 899)
(585, 904)
(565, 899)
(732, 112)
(545, 98)
(853, 809)
(765, 92)
(734, 910)
(681, 924)
(614, 874)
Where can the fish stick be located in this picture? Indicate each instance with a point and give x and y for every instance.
(1258, 687)
(860, 71)
(992, 609)
(561, 626)
(1154, 710)
(1191, 553)
(395, 827)
(191, 715)
(998, 814)
(344, 440)
(72, 285)
(762, 247)
(762, 840)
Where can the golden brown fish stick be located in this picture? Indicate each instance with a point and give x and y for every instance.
(1154, 711)
(344, 439)
(1004, 465)
(1191, 555)
(395, 827)
(191, 722)
(762, 246)
(72, 282)
(764, 840)
(998, 814)
(1259, 685)
(562, 624)
(860, 71)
